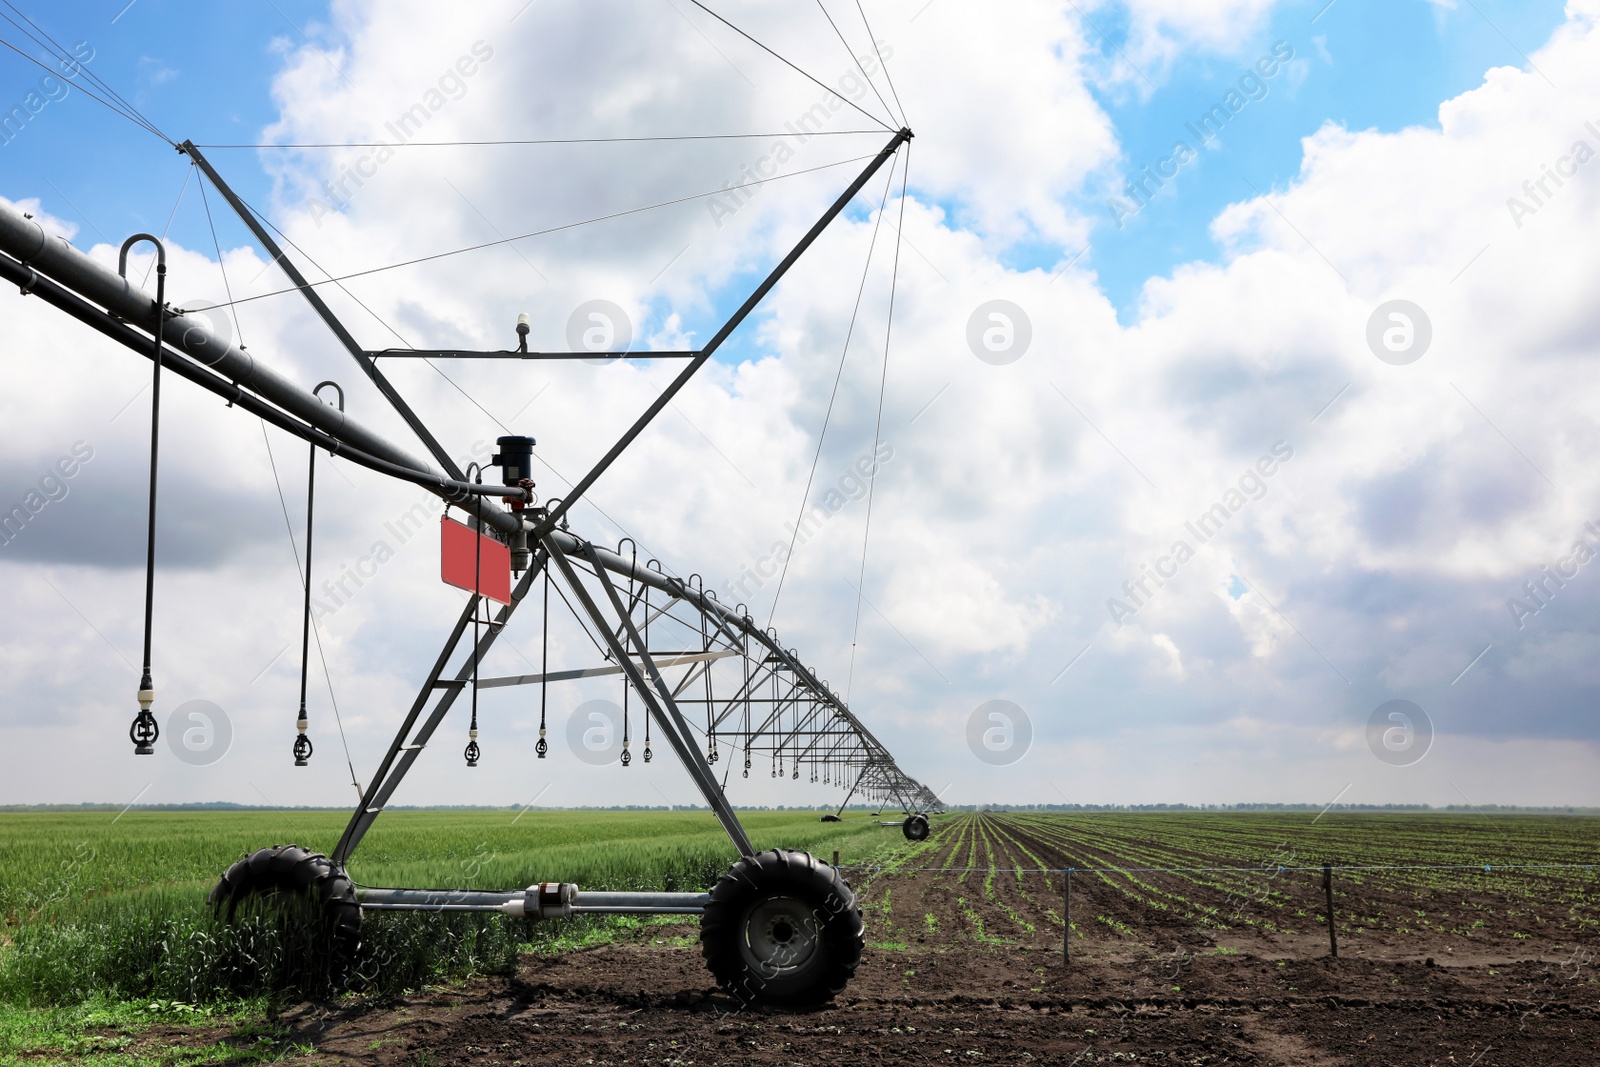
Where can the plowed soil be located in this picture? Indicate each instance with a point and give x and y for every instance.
(966, 966)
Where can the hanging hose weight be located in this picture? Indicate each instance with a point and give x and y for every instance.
(302, 743)
(144, 731)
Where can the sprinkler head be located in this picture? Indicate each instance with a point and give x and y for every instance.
(144, 731)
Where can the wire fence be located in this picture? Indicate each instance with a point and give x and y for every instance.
(1328, 871)
(1273, 869)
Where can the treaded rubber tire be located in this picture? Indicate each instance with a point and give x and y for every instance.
(834, 934)
(915, 828)
(300, 873)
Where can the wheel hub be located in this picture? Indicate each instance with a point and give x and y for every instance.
(780, 935)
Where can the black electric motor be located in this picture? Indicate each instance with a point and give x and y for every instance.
(515, 459)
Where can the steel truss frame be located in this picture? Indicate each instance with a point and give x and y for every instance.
(774, 706)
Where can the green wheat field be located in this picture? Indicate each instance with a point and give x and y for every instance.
(96, 905)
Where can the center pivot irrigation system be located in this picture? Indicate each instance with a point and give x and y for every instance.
(780, 926)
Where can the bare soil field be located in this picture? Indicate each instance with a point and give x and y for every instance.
(964, 965)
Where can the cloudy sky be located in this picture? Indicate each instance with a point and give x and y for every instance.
(1238, 382)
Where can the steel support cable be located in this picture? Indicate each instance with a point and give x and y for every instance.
(176, 204)
(542, 141)
(77, 279)
(602, 511)
(50, 44)
(70, 302)
(254, 223)
(302, 753)
(786, 63)
(550, 520)
(742, 699)
(600, 648)
(115, 109)
(335, 280)
(879, 53)
(401, 756)
(664, 611)
(227, 286)
(666, 711)
(379, 319)
(450, 489)
(889, 110)
(206, 379)
(121, 107)
(316, 631)
(59, 296)
(877, 430)
(827, 417)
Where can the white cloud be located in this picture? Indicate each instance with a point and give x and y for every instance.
(1160, 31)
(1017, 502)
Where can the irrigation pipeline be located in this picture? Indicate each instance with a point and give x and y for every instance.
(1318, 869)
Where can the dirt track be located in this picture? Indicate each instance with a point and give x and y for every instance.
(967, 968)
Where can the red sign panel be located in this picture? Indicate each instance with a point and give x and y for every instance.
(460, 547)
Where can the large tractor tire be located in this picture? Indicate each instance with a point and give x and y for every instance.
(295, 875)
(915, 827)
(782, 928)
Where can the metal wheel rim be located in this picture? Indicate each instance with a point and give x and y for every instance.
(779, 936)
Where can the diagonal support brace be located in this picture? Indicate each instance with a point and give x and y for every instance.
(669, 722)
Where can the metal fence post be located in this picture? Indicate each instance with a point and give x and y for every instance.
(1327, 886)
(1066, 917)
